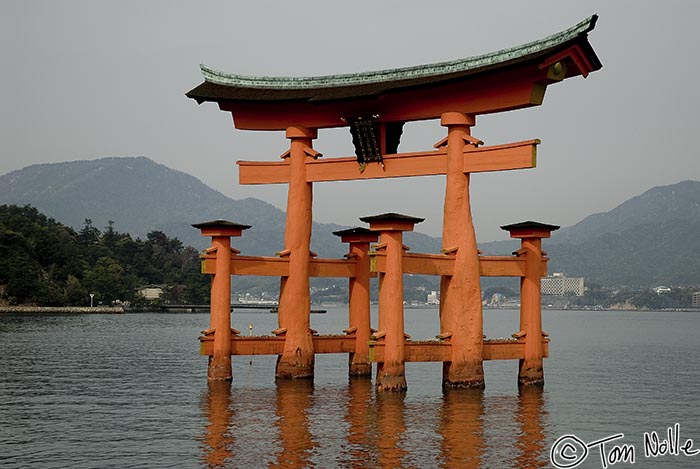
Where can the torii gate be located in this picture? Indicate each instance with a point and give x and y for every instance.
(375, 106)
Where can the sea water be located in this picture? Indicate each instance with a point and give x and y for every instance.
(130, 390)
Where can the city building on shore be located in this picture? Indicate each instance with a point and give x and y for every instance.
(433, 298)
(559, 284)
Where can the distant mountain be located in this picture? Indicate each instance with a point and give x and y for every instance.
(140, 196)
(662, 205)
(650, 239)
(648, 254)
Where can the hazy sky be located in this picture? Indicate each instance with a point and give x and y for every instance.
(89, 79)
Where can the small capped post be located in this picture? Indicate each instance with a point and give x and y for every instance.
(391, 374)
(359, 240)
(221, 232)
(530, 233)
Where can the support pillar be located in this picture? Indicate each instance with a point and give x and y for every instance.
(530, 233)
(297, 359)
(359, 240)
(391, 374)
(221, 232)
(460, 294)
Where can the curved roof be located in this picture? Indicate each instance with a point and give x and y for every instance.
(220, 86)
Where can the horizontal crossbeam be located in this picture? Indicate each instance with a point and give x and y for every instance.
(426, 264)
(518, 155)
(438, 264)
(415, 351)
(503, 266)
(271, 345)
(423, 264)
(434, 351)
(279, 266)
(515, 89)
(338, 268)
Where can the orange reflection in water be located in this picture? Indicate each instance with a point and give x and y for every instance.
(374, 430)
(218, 440)
(462, 428)
(360, 417)
(391, 427)
(294, 397)
(531, 440)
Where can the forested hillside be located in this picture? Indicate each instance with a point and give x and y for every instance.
(651, 239)
(46, 263)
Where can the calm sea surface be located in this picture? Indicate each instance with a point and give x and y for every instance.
(131, 391)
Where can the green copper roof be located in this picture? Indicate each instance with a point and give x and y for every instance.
(409, 74)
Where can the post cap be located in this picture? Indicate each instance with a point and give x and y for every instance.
(357, 235)
(391, 222)
(220, 228)
(530, 229)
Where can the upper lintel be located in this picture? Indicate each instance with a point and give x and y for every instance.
(518, 74)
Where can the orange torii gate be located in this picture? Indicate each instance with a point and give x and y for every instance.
(375, 106)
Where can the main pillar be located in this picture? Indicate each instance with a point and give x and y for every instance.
(359, 240)
(530, 372)
(221, 232)
(460, 293)
(391, 374)
(297, 359)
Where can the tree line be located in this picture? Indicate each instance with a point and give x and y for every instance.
(636, 298)
(46, 263)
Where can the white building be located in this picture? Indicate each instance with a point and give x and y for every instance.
(559, 285)
(696, 299)
(150, 292)
(433, 298)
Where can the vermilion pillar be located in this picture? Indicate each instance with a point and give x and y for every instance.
(460, 293)
(221, 232)
(359, 240)
(391, 374)
(297, 359)
(530, 234)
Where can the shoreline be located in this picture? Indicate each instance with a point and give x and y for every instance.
(122, 310)
(62, 309)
